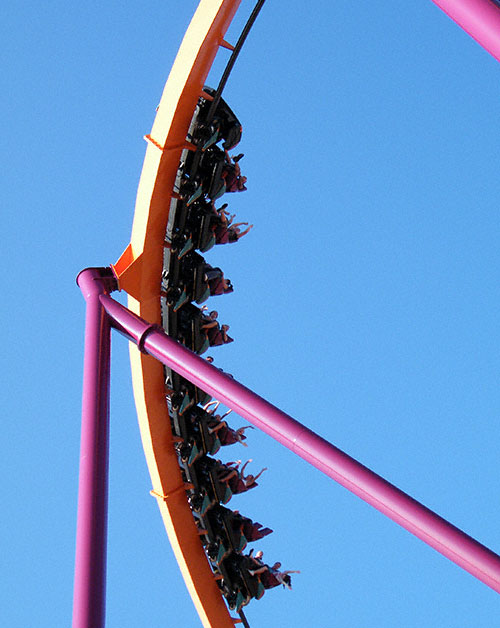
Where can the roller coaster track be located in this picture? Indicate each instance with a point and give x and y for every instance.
(140, 268)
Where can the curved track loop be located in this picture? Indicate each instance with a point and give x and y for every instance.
(139, 270)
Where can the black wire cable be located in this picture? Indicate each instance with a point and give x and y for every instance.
(233, 57)
(243, 619)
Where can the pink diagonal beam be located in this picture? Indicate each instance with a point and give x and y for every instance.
(479, 18)
(462, 549)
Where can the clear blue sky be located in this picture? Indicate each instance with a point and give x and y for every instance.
(365, 304)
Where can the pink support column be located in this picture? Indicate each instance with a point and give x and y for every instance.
(466, 552)
(479, 18)
(90, 561)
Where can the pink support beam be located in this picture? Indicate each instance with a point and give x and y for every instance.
(479, 18)
(463, 550)
(91, 533)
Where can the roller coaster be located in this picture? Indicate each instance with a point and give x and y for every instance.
(187, 169)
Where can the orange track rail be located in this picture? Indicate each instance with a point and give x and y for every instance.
(139, 273)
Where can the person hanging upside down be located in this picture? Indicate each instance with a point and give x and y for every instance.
(282, 576)
(236, 479)
(218, 335)
(233, 179)
(270, 576)
(212, 406)
(226, 434)
(228, 234)
(209, 320)
(217, 283)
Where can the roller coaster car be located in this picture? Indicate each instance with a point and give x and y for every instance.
(198, 474)
(210, 170)
(185, 397)
(190, 448)
(196, 273)
(188, 265)
(189, 323)
(197, 439)
(181, 401)
(200, 207)
(202, 173)
(199, 395)
(209, 471)
(220, 489)
(227, 524)
(192, 284)
(205, 237)
(217, 284)
(199, 423)
(189, 451)
(224, 124)
(200, 224)
(218, 550)
(208, 486)
(248, 586)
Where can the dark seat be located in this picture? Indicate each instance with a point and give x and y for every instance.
(238, 566)
(215, 277)
(192, 280)
(211, 441)
(224, 122)
(190, 321)
(206, 236)
(230, 522)
(181, 401)
(200, 225)
(189, 452)
(221, 489)
(197, 427)
(206, 483)
(209, 169)
(216, 185)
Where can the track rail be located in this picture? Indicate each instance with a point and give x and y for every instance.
(139, 270)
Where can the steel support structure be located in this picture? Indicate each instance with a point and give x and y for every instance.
(103, 312)
(479, 18)
(91, 532)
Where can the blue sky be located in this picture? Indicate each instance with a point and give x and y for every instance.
(365, 299)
